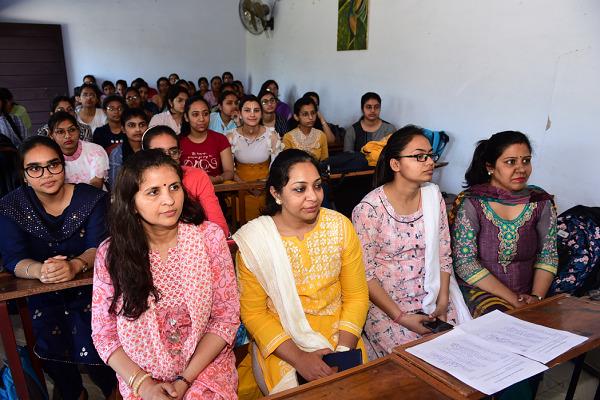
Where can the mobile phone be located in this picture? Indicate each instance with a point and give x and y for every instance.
(437, 325)
(343, 360)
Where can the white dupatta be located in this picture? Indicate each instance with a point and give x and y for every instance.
(264, 254)
(430, 203)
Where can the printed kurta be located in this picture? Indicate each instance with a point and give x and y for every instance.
(330, 278)
(394, 253)
(198, 296)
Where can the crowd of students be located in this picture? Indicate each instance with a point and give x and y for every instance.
(127, 189)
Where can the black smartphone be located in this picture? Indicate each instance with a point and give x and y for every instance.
(343, 360)
(437, 325)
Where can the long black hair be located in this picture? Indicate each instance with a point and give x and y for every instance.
(395, 144)
(185, 124)
(279, 175)
(488, 151)
(156, 131)
(127, 256)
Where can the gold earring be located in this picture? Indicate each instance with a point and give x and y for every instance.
(278, 201)
(490, 172)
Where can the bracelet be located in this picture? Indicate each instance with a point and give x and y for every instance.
(133, 377)
(85, 264)
(182, 378)
(341, 348)
(398, 318)
(27, 269)
(137, 385)
(540, 298)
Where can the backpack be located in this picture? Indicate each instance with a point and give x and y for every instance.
(578, 244)
(8, 391)
(438, 140)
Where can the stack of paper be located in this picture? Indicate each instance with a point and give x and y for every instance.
(496, 350)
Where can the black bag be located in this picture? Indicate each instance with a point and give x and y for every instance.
(342, 163)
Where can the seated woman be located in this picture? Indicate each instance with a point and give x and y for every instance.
(305, 136)
(317, 300)
(166, 307)
(134, 123)
(11, 126)
(110, 135)
(369, 127)
(65, 103)
(16, 109)
(195, 180)
(270, 118)
(503, 231)
(85, 162)
(254, 148)
(160, 99)
(173, 117)
(50, 232)
(282, 109)
(89, 114)
(227, 117)
(203, 148)
(403, 229)
(320, 122)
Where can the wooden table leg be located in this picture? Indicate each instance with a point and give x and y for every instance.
(242, 207)
(10, 346)
(30, 338)
(578, 361)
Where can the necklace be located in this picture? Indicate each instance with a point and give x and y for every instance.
(249, 140)
(306, 142)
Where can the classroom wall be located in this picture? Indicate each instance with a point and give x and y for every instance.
(125, 39)
(470, 68)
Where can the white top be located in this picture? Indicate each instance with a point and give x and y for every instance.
(98, 120)
(88, 162)
(255, 151)
(165, 118)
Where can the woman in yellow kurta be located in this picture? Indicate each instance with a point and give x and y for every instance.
(306, 137)
(303, 289)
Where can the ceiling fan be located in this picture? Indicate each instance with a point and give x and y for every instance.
(257, 15)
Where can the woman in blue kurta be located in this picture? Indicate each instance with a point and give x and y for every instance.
(50, 231)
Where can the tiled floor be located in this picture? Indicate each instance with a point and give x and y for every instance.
(553, 387)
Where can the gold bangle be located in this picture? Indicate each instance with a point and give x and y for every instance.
(136, 386)
(84, 267)
(133, 377)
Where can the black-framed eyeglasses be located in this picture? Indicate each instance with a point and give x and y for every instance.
(423, 157)
(173, 152)
(37, 171)
(72, 130)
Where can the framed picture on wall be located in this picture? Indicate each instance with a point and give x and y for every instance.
(353, 24)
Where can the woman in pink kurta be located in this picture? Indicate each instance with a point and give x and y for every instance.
(183, 338)
(391, 228)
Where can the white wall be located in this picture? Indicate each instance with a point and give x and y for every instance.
(125, 39)
(471, 68)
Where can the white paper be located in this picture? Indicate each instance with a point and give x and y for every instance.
(533, 341)
(476, 363)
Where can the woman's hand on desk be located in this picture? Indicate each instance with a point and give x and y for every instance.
(311, 366)
(527, 299)
(414, 322)
(58, 269)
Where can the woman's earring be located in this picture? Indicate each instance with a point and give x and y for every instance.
(278, 201)
(490, 172)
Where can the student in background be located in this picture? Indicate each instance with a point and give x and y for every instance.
(305, 136)
(15, 108)
(270, 118)
(89, 114)
(166, 306)
(320, 122)
(228, 116)
(283, 108)
(201, 147)
(135, 123)
(121, 87)
(254, 147)
(50, 232)
(160, 99)
(503, 231)
(400, 224)
(173, 117)
(85, 162)
(65, 103)
(212, 96)
(11, 126)
(314, 250)
(173, 78)
(89, 80)
(108, 88)
(196, 181)
(239, 88)
(202, 85)
(148, 106)
(111, 134)
(369, 127)
(227, 77)
(133, 98)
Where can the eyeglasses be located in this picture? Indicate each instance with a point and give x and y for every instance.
(423, 157)
(61, 109)
(88, 95)
(37, 171)
(109, 108)
(272, 100)
(173, 152)
(62, 132)
(129, 98)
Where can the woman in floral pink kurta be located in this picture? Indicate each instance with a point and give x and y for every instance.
(195, 299)
(394, 254)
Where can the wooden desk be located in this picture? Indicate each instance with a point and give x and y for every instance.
(12, 288)
(386, 378)
(563, 312)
